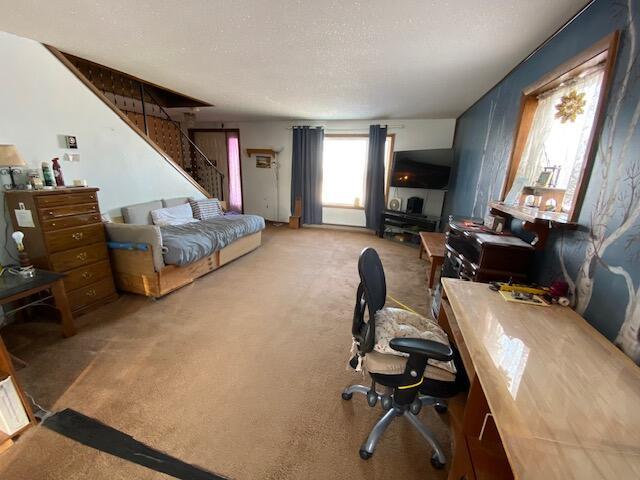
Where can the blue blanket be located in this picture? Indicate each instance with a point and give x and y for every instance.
(185, 244)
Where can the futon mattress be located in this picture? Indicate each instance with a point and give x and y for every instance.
(185, 244)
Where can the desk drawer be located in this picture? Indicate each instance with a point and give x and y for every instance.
(69, 222)
(68, 210)
(64, 261)
(45, 201)
(79, 277)
(91, 293)
(61, 240)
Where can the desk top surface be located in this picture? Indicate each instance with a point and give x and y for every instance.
(11, 284)
(565, 400)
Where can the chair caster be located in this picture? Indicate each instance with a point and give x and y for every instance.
(415, 407)
(441, 407)
(386, 402)
(435, 463)
(347, 396)
(366, 455)
(372, 398)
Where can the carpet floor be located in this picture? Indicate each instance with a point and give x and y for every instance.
(239, 373)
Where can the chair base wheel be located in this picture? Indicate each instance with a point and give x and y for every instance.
(365, 455)
(435, 463)
(441, 407)
(347, 396)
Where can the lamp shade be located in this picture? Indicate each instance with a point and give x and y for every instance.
(10, 157)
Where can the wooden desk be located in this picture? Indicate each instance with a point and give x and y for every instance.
(433, 244)
(563, 398)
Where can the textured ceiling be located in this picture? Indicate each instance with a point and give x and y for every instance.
(305, 59)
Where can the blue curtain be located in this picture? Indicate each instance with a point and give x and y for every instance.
(374, 183)
(306, 172)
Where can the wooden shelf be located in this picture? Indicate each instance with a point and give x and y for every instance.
(536, 221)
(535, 215)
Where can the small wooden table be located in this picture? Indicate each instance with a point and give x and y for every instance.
(14, 287)
(433, 244)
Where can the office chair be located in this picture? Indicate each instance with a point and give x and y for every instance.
(411, 390)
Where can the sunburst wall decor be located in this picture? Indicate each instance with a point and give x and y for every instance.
(570, 106)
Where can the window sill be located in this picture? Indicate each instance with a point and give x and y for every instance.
(347, 207)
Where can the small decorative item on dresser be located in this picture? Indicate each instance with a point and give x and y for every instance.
(57, 172)
(47, 174)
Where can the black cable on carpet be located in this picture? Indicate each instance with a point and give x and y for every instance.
(95, 434)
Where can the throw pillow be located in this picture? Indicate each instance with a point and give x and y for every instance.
(178, 215)
(206, 209)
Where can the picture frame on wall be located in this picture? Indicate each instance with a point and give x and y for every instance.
(263, 161)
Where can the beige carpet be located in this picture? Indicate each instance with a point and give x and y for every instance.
(239, 373)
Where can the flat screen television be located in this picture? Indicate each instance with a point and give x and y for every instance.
(422, 169)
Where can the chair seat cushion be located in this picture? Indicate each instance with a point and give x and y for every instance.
(399, 323)
(376, 362)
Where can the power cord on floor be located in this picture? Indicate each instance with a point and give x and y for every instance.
(42, 414)
(401, 304)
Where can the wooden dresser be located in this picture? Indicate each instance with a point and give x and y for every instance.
(67, 236)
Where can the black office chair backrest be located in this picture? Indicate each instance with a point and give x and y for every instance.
(371, 296)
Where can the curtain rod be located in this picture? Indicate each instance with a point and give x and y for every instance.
(345, 129)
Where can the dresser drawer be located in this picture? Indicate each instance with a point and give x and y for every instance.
(79, 277)
(91, 293)
(63, 261)
(45, 201)
(68, 222)
(68, 210)
(67, 238)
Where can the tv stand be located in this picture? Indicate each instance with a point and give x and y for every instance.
(411, 223)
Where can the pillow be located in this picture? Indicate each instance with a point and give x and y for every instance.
(172, 202)
(207, 208)
(140, 213)
(178, 215)
(396, 322)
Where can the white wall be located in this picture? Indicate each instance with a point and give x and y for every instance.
(41, 100)
(260, 186)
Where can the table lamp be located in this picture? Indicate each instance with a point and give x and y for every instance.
(10, 157)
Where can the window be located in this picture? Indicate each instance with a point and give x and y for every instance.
(555, 142)
(344, 167)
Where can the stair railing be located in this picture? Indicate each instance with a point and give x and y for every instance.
(199, 166)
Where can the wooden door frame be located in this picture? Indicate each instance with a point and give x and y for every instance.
(226, 131)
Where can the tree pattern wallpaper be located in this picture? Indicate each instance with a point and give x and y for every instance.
(601, 259)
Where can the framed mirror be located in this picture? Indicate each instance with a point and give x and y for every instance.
(561, 116)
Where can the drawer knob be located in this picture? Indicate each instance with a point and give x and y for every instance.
(82, 256)
(92, 197)
(87, 275)
(77, 235)
(51, 212)
(91, 293)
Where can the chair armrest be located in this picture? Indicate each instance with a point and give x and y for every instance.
(132, 233)
(419, 346)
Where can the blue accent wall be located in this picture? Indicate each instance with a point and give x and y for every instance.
(601, 259)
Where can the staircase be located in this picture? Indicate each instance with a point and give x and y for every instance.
(143, 106)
